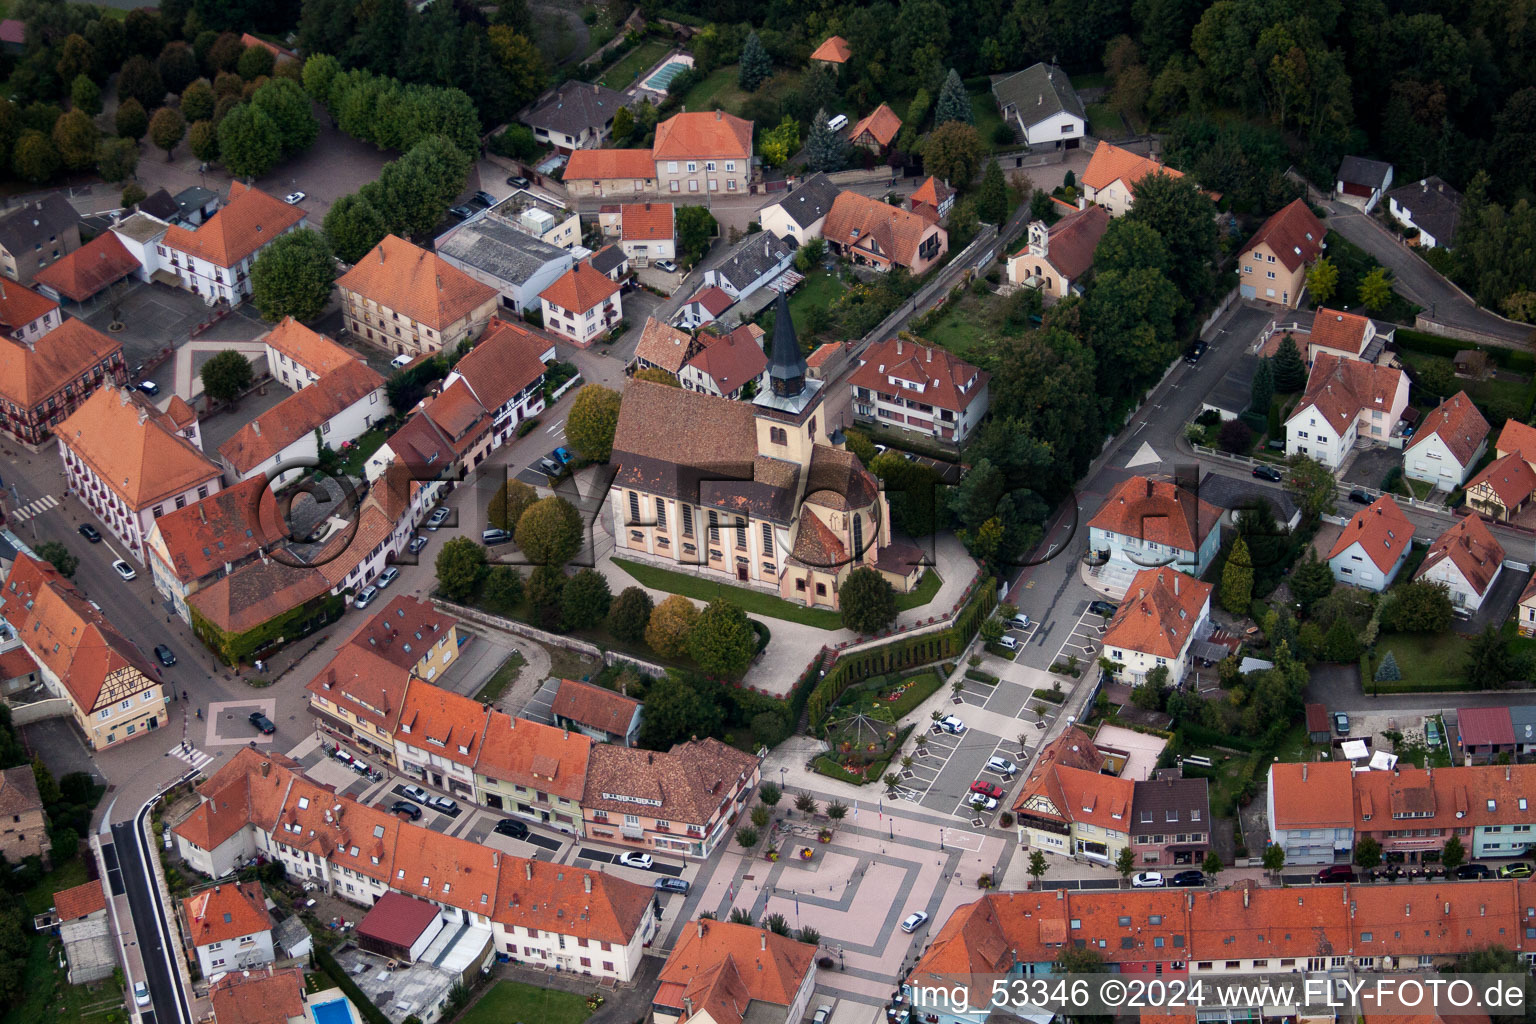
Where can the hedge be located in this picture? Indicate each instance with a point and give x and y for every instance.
(328, 964)
(981, 677)
(1433, 344)
(233, 648)
(1200, 736)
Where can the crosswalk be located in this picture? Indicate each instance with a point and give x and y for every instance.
(190, 754)
(35, 508)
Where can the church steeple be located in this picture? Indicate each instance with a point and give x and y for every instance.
(786, 368)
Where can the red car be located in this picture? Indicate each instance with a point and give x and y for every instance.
(985, 788)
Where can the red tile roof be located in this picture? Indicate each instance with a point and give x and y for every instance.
(719, 968)
(539, 757)
(28, 376)
(690, 783)
(225, 912)
(80, 901)
(89, 269)
(1343, 332)
(882, 125)
(933, 192)
(834, 50)
(1510, 477)
(16, 663)
(20, 306)
(1159, 613)
(417, 284)
(664, 345)
(1381, 529)
(579, 289)
(507, 358)
(258, 997)
(731, 361)
(311, 350)
(1471, 548)
(1464, 796)
(1485, 726)
(703, 135)
(250, 220)
(713, 298)
(595, 707)
(1096, 799)
(300, 415)
(1073, 240)
(1292, 233)
(133, 447)
(1517, 438)
(1159, 511)
(1312, 795)
(823, 353)
(449, 724)
(645, 222)
(610, 164)
(947, 382)
(1457, 422)
(565, 899)
(1111, 163)
(1073, 748)
(224, 527)
(397, 919)
(1341, 388)
(855, 220)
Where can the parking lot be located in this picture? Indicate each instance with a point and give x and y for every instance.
(941, 779)
(1083, 641)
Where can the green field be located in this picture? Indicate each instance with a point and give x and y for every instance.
(1492, 396)
(965, 323)
(720, 89)
(819, 290)
(513, 1000)
(639, 60)
(988, 118)
(1430, 660)
(504, 677)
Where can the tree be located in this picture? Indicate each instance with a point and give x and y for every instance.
(460, 568)
(353, 227)
(1368, 853)
(1037, 866)
(293, 276)
(226, 376)
(592, 421)
(586, 599)
(952, 152)
(825, 150)
(197, 101)
(1312, 483)
(837, 810)
(808, 935)
(1322, 280)
(256, 62)
(1274, 858)
(291, 110)
(59, 556)
(671, 623)
(132, 195)
(780, 144)
(770, 793)
(623, 126)
(1376, 290)
(130, 120)
(992, 195)
(85, 94)
(1489, 664)
(1237, 579)
(74, 138)
(546, 592)
(140, 81)
(756, 65)
(249, 143)
(225, 53)
(1454, 855)
(723, 641)
(549, 532)
(1290, 371)
(656, 375)
(954, 102)
(1125, 862)
(320, 70)
(166, 130)
(35, 157)
(1387, 671)
(696, 226)
(1212, 865)
(1311, 581)
(761, 816)
(503, 587)
(1262, 390)
(203, 141)
(776, 924)
(1342, 643)
(177, 66)
(868, 601)
(1421, 606)
(509, 504)
(116, 159)
(629, 614)
(1185, 218)
(746, 838)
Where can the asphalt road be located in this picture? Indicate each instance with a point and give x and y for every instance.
(151, 925)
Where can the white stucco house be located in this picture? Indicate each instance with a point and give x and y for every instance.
(1164, 612)
(798, 216)
(1346, 400)
(1311, 809)
(229, 926)
(1449, 442)
(1041, 106)
(1145, 523)
(1467, 560)
(1373, 546)
(339, 407)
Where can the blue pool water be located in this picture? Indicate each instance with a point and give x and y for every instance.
(333, 1012)
(664, 75)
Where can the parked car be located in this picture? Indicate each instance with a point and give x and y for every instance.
(1001, 765)
(262, 722)
(485, 199)
(914, 921)
(666, 265)
(517, 181)
(1147, 880)
(437, 518)
(1265, 471)
(549, 467)
(1103, 608)
(679, 885)
(417, 543)
(295, 198)
(123, 569)
(1186, 878)
(493, 536)
(563, 455)
(443, 804)
(823, 1013)
(1359, 497)
(511, 827)
(986, 788)
(1341, 723)
(406, 808)
(949, 723)
(630, 859)
(1519, 870)
(365, 598)
(140, 994)
(163, 653)
(90, 533)
(1198, 349)
(1007, 643)
(1474, 871)
(461, 212)
(388, 576)
(402, 360)
(1334, 873)
(416, 793)
(1019, 621)
(983, 803)
(149, 387)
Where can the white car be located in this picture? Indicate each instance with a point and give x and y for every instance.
(1020, 622)
(140, 994)
(635, 860)
(666, 265)
(401, 360)
(443, 804)
(294, 198)
(1008, 643)
(416, 793)
(1147, 880)
(364, 599)
(388, 576)
(949, 723)
(982, 802)
(124, 570)
(1001, 765)
(914, 921)
(823, 1013)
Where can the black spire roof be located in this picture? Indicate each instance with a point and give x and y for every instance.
(786, 365)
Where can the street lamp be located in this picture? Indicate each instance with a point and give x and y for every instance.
(840, 959)
(941, 839)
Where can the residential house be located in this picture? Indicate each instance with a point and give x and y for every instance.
(646, 233)
(160, 205)
(214, 259)
(1146, 523)
(1112, 174)
(1041, 106)
(877, 131)
(1502, 488)
(682, 801)
(833, 52)
(707, 305)
(89, 944)
(729, 366)
(1311, 811)
(826, 361)
(192, 547)
(26, 316)
(1373, 546)
(932, 200)
(1345, 336)
(1057, 257)
(538, 216)
(664, 347)
(102, 262)
(113, 690)
(1164, 612)
(13, 36)
(798, 216)
(505, 373)
(411, 301)
(724, 973)
(263, 997)
(1523, 718)
(229, 927)
(341, 406)
(1430, 207)
(1235, 495)
(44, 382)
(25, 830)
(1525, 611)
(581, 306)
(1043, 815)
(1273, 265)
(130, 464)
(36, 234)
(1362, 182)
(1467, 560)
(1412, 812)
(1170, 820)
(534, 771)
(921, 388)
(875, 234)
(611, 262)
(703, 152)
(279, 54)
(609, 172)
(756, 261)
(437, 739)
(501, 256)
(1484, 734)
(1345, 401)
(298, 357)
(195, 205)
(605, 715)
(1448, 443)
(575, 116)
(1516, 438)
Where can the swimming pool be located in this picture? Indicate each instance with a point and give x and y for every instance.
(333, 1011)
(662, 77)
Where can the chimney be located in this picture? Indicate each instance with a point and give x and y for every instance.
(1245, 897)
(528, 870)
(202, 512)
(688, 1000)
(256, 427)
(717, 115)
(762, 940)
(898, 346)
(381, 252)
(596, 88)
(586, 881)
(1175, 584)
(1303, 771)
(1143, 594)
(1149, 485)
(929, 352)
(266, 768)
(701, 927)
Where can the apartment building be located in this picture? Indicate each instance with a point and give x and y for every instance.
(410, 301)
(213, 260)
(43, 381)
(921, 388)
(681, 801)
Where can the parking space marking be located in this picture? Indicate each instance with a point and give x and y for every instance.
(1083, 641)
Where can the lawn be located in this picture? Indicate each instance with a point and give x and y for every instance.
(1493, 396)
(753, 602)
(1104, 120)
(357, 456)
(720, 89)
(49, 997)
(1354, 264)
(964, 323)
(988, 119)
(818, 291)
(623, 74)
(1430, 660)
(922, 593)
(504, 677)
(513, 1000)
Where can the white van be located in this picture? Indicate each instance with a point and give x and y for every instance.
(837, 123)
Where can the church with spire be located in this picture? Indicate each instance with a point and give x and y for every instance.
(762, 493)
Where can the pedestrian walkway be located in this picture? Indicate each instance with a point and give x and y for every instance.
(190, 754)
(35, 508)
